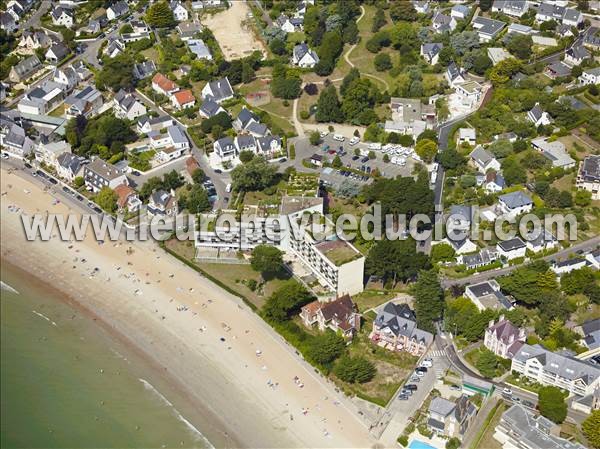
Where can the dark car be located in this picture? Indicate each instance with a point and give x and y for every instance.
(422, 369)
(66, 189)
(218, 171)
(53, 181)
(365, 159)
(403, 397)
(412, 387)
(347, 174)
(282, 160)
(529, 404)
(135, 173)
(98, 210)
(27, 165)
(355, 157)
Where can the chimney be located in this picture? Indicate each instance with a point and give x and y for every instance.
(501, 318)
(491, 323)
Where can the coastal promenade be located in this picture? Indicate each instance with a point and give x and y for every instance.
(204, 340)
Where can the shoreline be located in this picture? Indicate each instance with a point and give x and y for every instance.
(201, 337)
(157, 372)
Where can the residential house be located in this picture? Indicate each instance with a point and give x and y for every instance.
(497, 54)
(443, 23)
(163, 85)
(487, 295)
(557, 69)
(523, 428)
(588, 176)
(487, 29)
(33, 40)
(460, 12)
(62, 16)
(395, 328)
(25, 69)
(8, 23)
(289, 24)
(244, 118)
(57, 53)
(114, 47)
(84, 102)
(210, 108)
(340, 315)
(563, 30)
(187, 30)
(538, 116)
(66, 77)
(144, 69)
(244, 142)
(183, 99)
(47, 152)
(14, 141)
(494, 182)
(179, 11)
(202, 4)
(590, 76)
(83, 73)
(484, 160)
(225, 149)
(590, 331)
(459, 243)
(268, 145)
(99, 174)
(593, 259)
(514, 8)
(146, 125)
(199, 48)
(127, 199)
(117, 10)
(560, 14)
(42, 99)
(304, 57)
(566, 266)
(503, 338)
(316, 159)
(473, 261)
(469, 93)
(69, 166)
(512, 249)
(169, 144)
(163, 203)
(421, 6)
(467, 135)
(92, 28)
(454, 75)
(540, 241)
(592, 38)
(218, 91)
(451, 419)
(257, 129)
(576, 54)
(554, 369)
(140, 30)
(460, 218)
(555, 151)
(431, 52)
(519, 29)
(127, 106)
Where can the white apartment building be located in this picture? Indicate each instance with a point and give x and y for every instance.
(549, 368)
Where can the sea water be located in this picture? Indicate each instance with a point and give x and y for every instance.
(65, 382)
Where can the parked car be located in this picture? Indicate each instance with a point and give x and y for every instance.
(403, 397)
(323, 134)
(412, 387)
(455, 387)
(529, 404)
(339, 137)
(354, 141)
(422, 369)
(507, 391)
(427, 363)
(218, 171)
(419, 373)
(355, 157)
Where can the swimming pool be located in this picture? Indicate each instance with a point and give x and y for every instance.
(416, 444)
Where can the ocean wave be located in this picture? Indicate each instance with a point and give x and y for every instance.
(148, 386)
(44, 317)
(8, 288)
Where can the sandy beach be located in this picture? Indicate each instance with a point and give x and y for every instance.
(203, 338)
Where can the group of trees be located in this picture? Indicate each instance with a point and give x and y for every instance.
(105, 135)
(170, 181)
(402, 196)
(395, 260)
(257, 174)
(286, 82)
(160, 15)
(429, 300)
(266, 259)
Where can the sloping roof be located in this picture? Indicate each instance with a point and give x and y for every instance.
(441, 406)
(27, 66)
(590, 169)
(104, 169)
(144, 69)
(123, 192)
(481, 156)
(163, 82)
(512, 244)
(220, 89)
(341, 308)
(184, 96)
(515, 199)
(210, 107)
(70, 161)
(578, 52)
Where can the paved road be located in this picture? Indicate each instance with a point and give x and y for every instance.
(34, 20)
(584, 247)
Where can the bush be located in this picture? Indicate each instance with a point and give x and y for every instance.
(403, 440)
(304, 115)
(354, 369)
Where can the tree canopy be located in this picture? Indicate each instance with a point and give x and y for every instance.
(254, 175)
(395, 260)
(354, 369)
(160, 15)
(266, 259)
(286, 301)
(551, 404)
(429, 300)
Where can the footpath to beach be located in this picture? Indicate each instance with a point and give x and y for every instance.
(203, 339)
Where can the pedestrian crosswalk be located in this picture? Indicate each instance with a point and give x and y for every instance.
(437, 353)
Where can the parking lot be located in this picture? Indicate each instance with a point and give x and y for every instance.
(329, 148)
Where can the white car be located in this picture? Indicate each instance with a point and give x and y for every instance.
(323, 134)
(354, 141)
(507, 391)
(419, 374)
(427, 363)
(339, 137)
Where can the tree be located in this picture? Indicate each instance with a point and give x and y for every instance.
(501, 148)
(266, 259)
(286, 301)
(254, 175)
(246, 156)
(198, 176)
(591, 428)
(277, 46)
(116, 74)
(396, 260)
(403, 11)
(429, 134)
(382, 62)
(451, 159)
(461, 43)
(222, 119)
(481, 63)
(551, 404)
(286, 83)
(197, 199)
(519, 45)
(577, 281)
(522, 283)
(378, 20)
(426, 149)
(352, 75)
(348, 189)
(328, 52)
(354, 369)
(487, 363)
(453, 443)
(328, 106)
(504, 70)
(107, 199)
(513, 171)
(442, 252)
(315, 138)
(325, 348)
(429, 300)
(583, 198)
(485, 5)
(337, 162)
(78, 182)
(160, 15)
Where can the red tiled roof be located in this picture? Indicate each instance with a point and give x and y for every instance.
(163, 82)
(123, 191)
(184, 96)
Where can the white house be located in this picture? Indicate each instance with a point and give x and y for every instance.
(503, 338)
(126, 106)
(14, 141)
(588, 176)
(225, 149)
(576, 54)
(484, 160)
(99, 174)
(467, 135)
(515, 8)
(460, 12)
(538, 116)
(268, 145)
(590, 76)
(69, 166)
(512, 249)
(554, 151)
(174, 137)
(244, 142)
(541, 241)
(469, 93)
(62, 17)
(487, 295)
(117, 10)
(304, 57)
(566, 266)
(57, 53)
(217, 91)
(183, 99)
(454, 75)
(179, 11)
(163, 85)
(431, 52)
(515, 203)
(488, 29)
(497, 54)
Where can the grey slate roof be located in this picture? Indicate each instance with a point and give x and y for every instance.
(441, 406)
(59, 10)
(590, 169)
(210, 108)
(489, 26)
(516, 199)
(400, 320)
(591, 332)
(481, 156)
(119, 8)
(578, 52)
(221, 89)
(27, 66)
(432, 49)
(512, 244)
(144, 69)
(60, 50)
(160, 198)
(245, 117)
(259, 129)
(70, 162)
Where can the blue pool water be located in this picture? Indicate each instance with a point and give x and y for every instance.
(416, 444)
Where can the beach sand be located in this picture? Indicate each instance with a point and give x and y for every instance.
(178, 319)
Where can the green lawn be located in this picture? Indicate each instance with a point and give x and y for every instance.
(370, 299)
